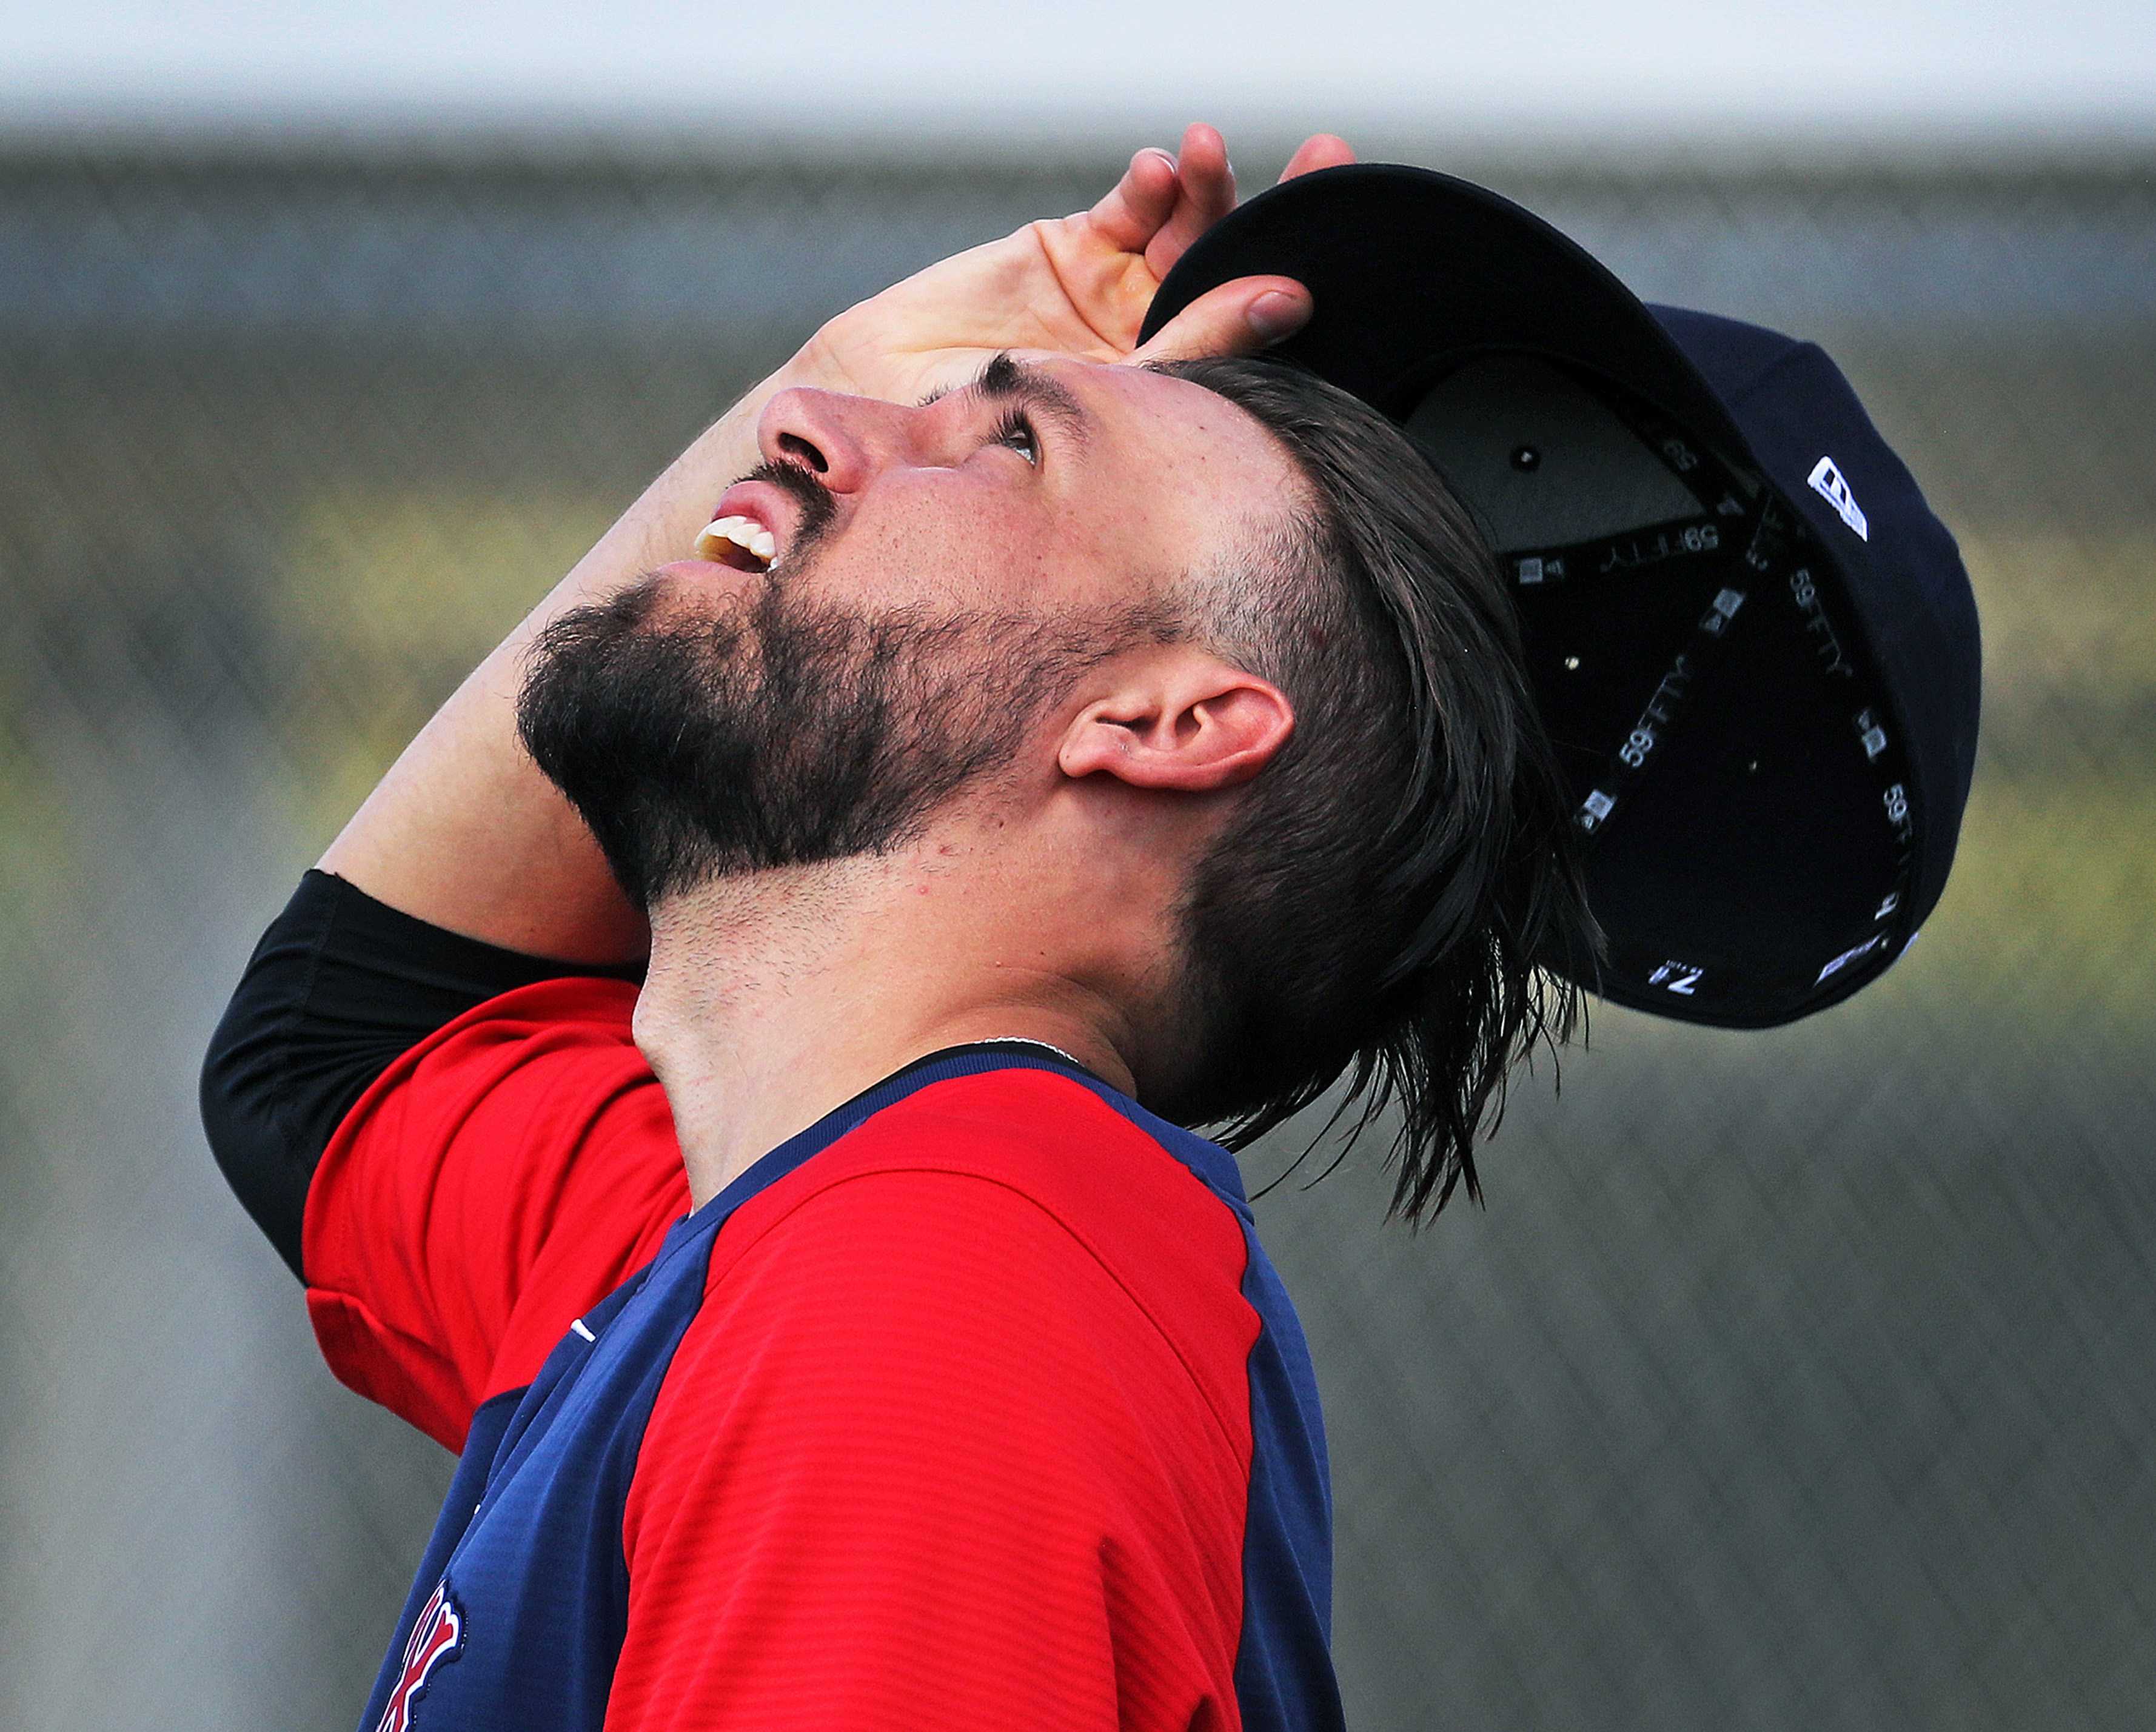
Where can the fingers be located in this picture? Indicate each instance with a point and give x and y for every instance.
(1236, 318)
(1207, 182)
(1132, 213)
(1321, 150)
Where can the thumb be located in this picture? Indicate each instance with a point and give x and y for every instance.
(1236, 318)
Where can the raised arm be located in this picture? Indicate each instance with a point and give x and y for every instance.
(465, 833)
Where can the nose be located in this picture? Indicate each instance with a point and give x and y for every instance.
(844, 441)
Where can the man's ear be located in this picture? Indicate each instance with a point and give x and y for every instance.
(1180, 719)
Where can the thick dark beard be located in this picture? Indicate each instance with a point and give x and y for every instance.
(782, 732)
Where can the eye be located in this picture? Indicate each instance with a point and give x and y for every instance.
(1016, 431)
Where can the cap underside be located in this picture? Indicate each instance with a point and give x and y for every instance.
(1724, 747)
(1731, 752)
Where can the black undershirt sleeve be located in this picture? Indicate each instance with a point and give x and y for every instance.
(340, 986)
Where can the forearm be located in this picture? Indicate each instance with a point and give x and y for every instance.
(463, 832)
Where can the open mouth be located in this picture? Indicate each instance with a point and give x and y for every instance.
(741, 542)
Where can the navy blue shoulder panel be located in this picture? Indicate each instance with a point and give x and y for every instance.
(1284, 1676)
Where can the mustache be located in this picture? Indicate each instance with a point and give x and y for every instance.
(818, 505)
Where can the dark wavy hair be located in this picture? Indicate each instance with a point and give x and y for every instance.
(1386, 900)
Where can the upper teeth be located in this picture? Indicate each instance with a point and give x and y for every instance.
(744, 532)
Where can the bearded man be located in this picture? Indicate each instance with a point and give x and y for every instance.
(732, 1080)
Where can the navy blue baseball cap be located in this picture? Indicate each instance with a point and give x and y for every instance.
(1753, 646)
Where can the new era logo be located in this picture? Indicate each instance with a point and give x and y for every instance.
(1827, 482)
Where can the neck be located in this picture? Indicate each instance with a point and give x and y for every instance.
(774, 998)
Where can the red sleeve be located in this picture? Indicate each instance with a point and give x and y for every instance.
(923, 1460)
(498, 1181)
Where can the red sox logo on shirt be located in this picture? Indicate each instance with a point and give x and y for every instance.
(436, 1634)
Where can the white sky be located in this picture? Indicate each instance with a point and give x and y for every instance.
(1512, 71)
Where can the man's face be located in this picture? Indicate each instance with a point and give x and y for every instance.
(1068, 485)
(944, 575)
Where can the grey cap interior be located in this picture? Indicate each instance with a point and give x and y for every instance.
(1589, 477)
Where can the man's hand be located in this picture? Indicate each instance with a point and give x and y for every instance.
(1077, 285)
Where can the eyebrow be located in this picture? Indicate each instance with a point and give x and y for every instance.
(1014, 384)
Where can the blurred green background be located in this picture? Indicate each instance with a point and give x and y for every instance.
(1789, 1380)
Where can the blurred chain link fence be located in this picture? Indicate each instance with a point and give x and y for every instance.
(1789, 1380)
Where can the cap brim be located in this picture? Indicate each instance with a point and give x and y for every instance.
(1394, 256)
